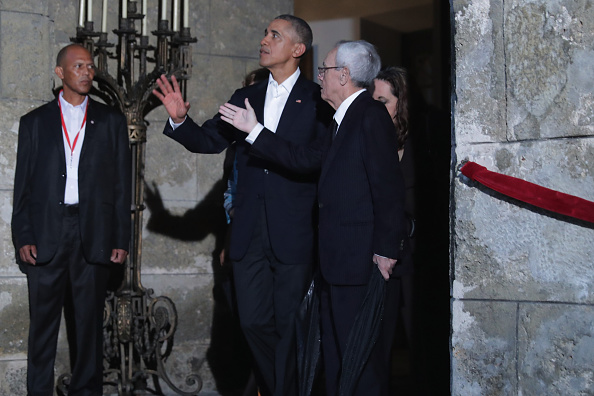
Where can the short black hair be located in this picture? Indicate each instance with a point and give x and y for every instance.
(64, 50)
(304, 33)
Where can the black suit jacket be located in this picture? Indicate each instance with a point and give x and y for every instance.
(104, 183)
(290, 197)
(360, 190)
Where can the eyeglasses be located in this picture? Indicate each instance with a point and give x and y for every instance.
(322, 70)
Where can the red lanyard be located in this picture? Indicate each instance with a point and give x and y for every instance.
(73, 145)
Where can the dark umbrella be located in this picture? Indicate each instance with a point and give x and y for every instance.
(363, 334)
(308, 337)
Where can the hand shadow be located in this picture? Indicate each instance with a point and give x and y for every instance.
(206, 218)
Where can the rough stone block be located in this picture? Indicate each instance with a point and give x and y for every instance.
(480, 71)
(483, 348)
(8, 266)
(14, 318)
(509, 250)
(549, 52)
(201, 24)
(14, 377)
(9, 128)
(556, 346)
(16, 60)
(175, 181)
(65, 16)
(236, 36)
(35, 7)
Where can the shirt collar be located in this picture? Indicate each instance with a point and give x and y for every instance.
(68, 106)
(287, 85)
(344, 106)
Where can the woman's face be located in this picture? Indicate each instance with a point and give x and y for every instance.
(383, 93)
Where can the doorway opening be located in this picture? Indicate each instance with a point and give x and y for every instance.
(414, 34)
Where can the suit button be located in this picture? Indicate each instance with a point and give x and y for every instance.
(60, 203)
(266, 171)
(63, 175)
(320, 205)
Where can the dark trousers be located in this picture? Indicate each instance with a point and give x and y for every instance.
(268, 294)
(67, 272)
(339, 306)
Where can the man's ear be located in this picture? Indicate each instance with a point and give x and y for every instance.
(344, 76)
(299, 50)
(59, 72)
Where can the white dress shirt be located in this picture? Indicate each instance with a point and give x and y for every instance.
(73, 119)
(274, 104)
(276, 99)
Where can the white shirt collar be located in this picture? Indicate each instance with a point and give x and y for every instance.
(344, 106)
(66, 105)
(286, 85)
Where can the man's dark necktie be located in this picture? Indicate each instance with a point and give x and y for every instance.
(334, 127)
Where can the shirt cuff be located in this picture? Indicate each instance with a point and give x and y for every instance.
(253, 135)
(174, 125)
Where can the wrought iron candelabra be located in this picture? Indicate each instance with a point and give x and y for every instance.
(138, 326)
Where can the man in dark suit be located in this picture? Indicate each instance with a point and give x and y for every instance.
(272, 239)
(360, 200)
(70, 220)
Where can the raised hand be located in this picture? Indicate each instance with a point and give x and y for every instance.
(242, 119)
(172, 99)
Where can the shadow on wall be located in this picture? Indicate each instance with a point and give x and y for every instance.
(228, 355)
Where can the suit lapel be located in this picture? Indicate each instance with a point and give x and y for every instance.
(343, 132)
(257, 100)
(296, 101)
(90, 129)
(56, 133)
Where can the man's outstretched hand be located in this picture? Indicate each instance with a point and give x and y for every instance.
(172, 99)
(242, 119)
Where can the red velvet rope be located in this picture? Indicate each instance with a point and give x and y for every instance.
(531, 193)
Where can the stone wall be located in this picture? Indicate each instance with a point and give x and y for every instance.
(523, 279)
(183, 224)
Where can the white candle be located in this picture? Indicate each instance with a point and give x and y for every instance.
(124, 8)
(81, 12)
(144, 31)
(186, 13)
(163, 9)
(175, 15)
(104, 17)
(90, 11)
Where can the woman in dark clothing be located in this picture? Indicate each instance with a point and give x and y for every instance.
(390, 87)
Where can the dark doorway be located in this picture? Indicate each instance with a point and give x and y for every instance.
(423, 368)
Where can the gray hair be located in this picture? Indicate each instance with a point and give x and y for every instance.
(362, 60)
